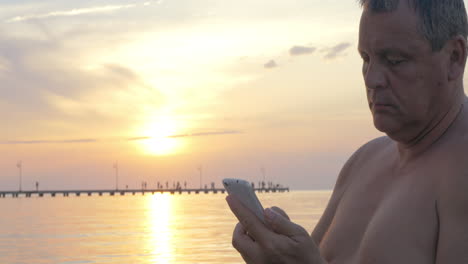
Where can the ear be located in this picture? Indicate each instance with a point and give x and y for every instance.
(457, 50)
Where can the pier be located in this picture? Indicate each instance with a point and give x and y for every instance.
(66, 193)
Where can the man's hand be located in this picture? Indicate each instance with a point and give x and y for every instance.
(282, 242)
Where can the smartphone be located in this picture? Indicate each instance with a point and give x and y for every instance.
(243, 191)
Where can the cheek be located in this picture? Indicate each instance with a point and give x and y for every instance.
(429, 87)
(420, 100)
(430, 92)
(408, 86)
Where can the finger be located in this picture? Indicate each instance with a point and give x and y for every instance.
(280, 211)
(243, 243)
(282, 225)
(252, 224)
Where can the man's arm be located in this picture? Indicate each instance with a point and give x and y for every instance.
(452, 209)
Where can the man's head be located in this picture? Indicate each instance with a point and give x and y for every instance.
(440, 20)
(414, 54)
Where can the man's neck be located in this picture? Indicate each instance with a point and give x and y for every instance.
(432, 133)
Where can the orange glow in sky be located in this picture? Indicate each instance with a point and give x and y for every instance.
(160, 139)
(163, 87)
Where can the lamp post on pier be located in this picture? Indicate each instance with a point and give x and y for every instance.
(200, 169)
(20, 169)
(116, 167)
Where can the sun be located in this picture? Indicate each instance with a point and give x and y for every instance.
(159, 140)
(160, 146)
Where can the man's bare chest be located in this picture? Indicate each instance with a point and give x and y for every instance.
(384, 217)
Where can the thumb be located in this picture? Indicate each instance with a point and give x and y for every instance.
(282, 225)
(280, 211)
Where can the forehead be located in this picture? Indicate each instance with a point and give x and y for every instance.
(399, 28)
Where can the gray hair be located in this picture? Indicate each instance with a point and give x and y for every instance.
(440, 19)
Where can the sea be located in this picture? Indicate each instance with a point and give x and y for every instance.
(143, 229)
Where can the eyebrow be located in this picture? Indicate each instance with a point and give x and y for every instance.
(393, 51)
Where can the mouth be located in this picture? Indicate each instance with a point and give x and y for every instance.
(381, 106)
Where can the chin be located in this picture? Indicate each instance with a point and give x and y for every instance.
(385, 124)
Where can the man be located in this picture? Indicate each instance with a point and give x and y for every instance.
(401, 198)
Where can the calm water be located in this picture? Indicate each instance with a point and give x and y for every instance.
(156, 228)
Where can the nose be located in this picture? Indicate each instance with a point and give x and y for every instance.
(374, 75)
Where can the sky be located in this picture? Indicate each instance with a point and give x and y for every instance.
(163, 88)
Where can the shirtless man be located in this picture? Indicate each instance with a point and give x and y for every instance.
(402, 198)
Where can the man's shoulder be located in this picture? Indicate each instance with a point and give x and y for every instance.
(456, 136)
(365, 154)
(452, 202)
(453, 172)
(451, 152)
(372, 149)
(377, 144)
(451, 160)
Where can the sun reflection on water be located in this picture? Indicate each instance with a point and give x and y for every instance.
(159, 223)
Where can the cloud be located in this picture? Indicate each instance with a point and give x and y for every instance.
(94, 140)
(72, 12)
(301, 50)
(336, 51)
(29, 142)
(44, 87)
(137, 138)
(271, 64)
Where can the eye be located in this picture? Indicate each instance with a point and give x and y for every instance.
(365, 62)
(395, 61)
